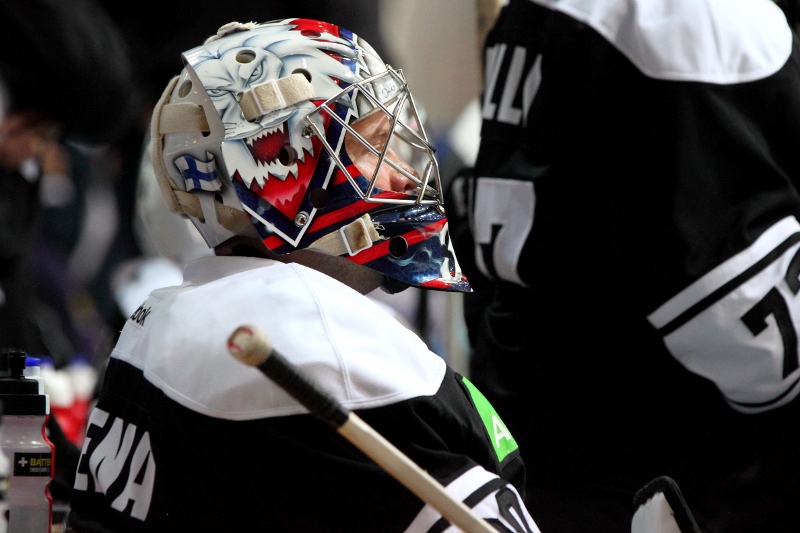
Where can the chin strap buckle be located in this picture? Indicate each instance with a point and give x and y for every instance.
(350, 239)
(356, 236)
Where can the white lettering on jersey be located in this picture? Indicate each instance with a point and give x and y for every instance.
(489, 496)
(737, 325)
(500, 431)
(502, 220)
(507, 112)
(108, 446)
(494, 58)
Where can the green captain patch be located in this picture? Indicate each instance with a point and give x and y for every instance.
(502, 440)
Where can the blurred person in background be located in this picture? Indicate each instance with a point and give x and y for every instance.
(66, 101)
(66, 96)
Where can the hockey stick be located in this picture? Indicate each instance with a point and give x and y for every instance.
(251, 346)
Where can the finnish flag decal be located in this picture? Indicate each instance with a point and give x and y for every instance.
(199, 174)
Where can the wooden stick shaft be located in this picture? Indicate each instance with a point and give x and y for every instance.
(407, 472)
(251, 346)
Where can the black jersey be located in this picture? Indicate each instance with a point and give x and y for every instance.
(185, 438)
(634, 239)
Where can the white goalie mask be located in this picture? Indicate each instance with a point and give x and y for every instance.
(258, 136)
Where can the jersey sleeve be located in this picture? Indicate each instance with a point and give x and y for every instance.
(728, 307)
(458, 438)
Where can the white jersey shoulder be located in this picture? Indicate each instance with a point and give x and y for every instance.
(341, 339)
(713, 41)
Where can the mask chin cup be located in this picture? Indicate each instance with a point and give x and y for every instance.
(393, 286)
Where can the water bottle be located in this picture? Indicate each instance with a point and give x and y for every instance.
(30, 453)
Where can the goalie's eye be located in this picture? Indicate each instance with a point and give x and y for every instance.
(216, 92)
(256, 73)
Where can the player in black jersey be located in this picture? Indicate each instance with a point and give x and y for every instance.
(634, 245)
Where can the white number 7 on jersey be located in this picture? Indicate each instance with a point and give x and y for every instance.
(502, 219)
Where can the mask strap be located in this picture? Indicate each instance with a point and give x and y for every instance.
(350, 239)
(180, 117)
(275, 94)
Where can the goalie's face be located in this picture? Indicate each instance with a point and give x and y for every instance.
(391, 172)
(385, 169)
(396, 158)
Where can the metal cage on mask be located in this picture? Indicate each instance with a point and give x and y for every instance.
(399, 103)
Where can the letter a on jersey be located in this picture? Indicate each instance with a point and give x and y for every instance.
(501, 438)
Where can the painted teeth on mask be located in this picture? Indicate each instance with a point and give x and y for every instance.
(264, 132)
(276, 169)
(251, 171)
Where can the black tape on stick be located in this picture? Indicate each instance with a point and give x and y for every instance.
(316, 400)
(252, 347)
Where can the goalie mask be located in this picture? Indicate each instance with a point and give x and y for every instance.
(297, 133)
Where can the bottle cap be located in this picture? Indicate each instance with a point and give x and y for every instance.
(6, 355)
(18, 394)
(16, 363)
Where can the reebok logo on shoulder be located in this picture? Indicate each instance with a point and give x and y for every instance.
(140, 315)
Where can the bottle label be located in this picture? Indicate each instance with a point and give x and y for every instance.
(32, 464)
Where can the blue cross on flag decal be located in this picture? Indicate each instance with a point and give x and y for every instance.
(199, 174)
